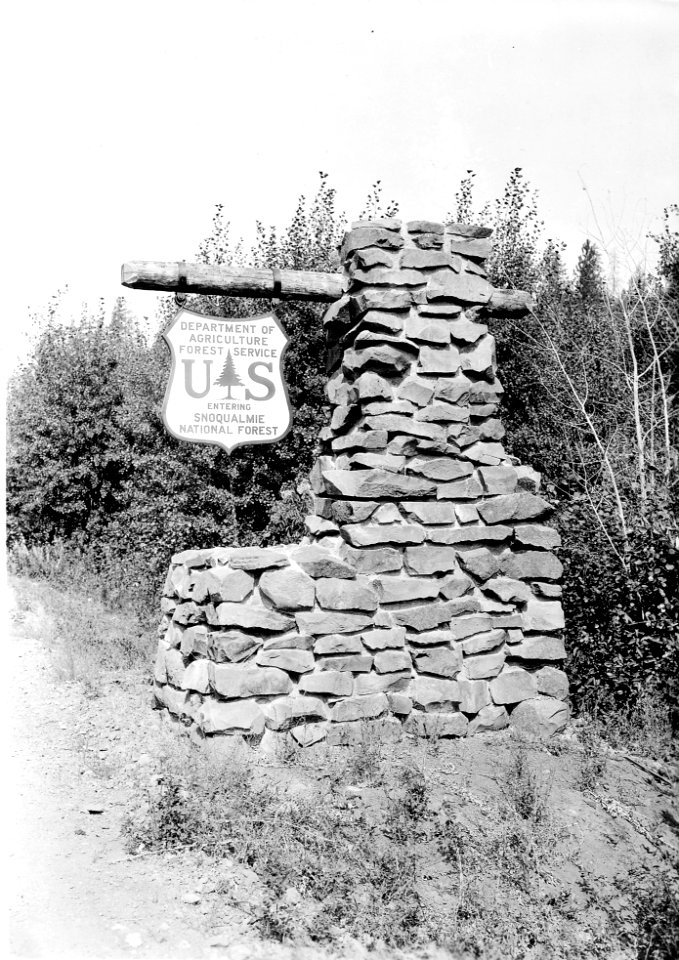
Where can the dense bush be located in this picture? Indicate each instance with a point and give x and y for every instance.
(623, 616)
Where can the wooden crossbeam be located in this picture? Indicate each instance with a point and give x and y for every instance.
(174, 277)
(231, 282)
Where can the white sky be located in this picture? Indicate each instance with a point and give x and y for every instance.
(128, 121)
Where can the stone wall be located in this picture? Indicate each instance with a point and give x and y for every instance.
(425, 599)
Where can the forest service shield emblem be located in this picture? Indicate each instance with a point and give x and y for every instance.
(226, 384)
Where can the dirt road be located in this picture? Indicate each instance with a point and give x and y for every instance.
(74, 891)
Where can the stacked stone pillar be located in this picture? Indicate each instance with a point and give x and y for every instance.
(425, 600)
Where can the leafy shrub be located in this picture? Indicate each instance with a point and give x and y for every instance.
(623, 618)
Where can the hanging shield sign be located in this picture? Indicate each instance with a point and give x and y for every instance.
(226, 385)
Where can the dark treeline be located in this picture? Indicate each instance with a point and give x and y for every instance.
(591, 382)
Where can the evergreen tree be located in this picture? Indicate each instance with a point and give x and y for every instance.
(589, 282)
(229, 376)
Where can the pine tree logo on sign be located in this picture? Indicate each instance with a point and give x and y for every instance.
(226, 384)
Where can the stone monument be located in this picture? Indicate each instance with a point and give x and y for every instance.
(425, 599)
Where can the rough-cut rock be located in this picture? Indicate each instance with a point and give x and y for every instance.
(472, 533)
(463, 627)
(346, 595)
(256, 558)
(174, 667)
(338, 643)
(317, 563)
(416, 390)
(393, 423)
(178, 702)
(464, 287)
(440, 468)
(240, 716)
(513, 506)
(387, 639)
(380, 277)
(543, 615)
(507, 589)
(369, 683)
(248, 616)
(294, 661)
(422, 617)
(536, 535)
(384, 359)
(372, 484)
(481, 563)
(478, 249)
(453, 389)
(437, 724)
(374, 560)
(220, 584)
(381, 320)
(188, 613)
(439, 661)
(365, 259)
(483, 666)
(209, 557)
(332, 683)
(487, 719)
(359, 708)
(482, 642)
(320, 622)
(552, 682)
(480, 356)
(467, 331)
(288, 589)
(290, 641)
(474, 695)
(361, 535)
(513, 685)
(232, 646)
(371, 386)
(532, 565)
(439, 360)
(541, 718)
(378, 461)
(400, 704)
(430, 512)
(289, 711)
(498, 480)
(548, 590)
(430, 559)
(385, 730)
(456, 586)
(196, 677)
(428, 259)
(369, 236)
(309, 733)
(382, 298)
(467, 489)
(427, 691)
(319, 527)
(360, 440)
(426, 330)
(234, 680)
(429, 638)
(401, 589)
(351, 663)
(392, 661)
(159, 669)
(539, 648)
(387, 513)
